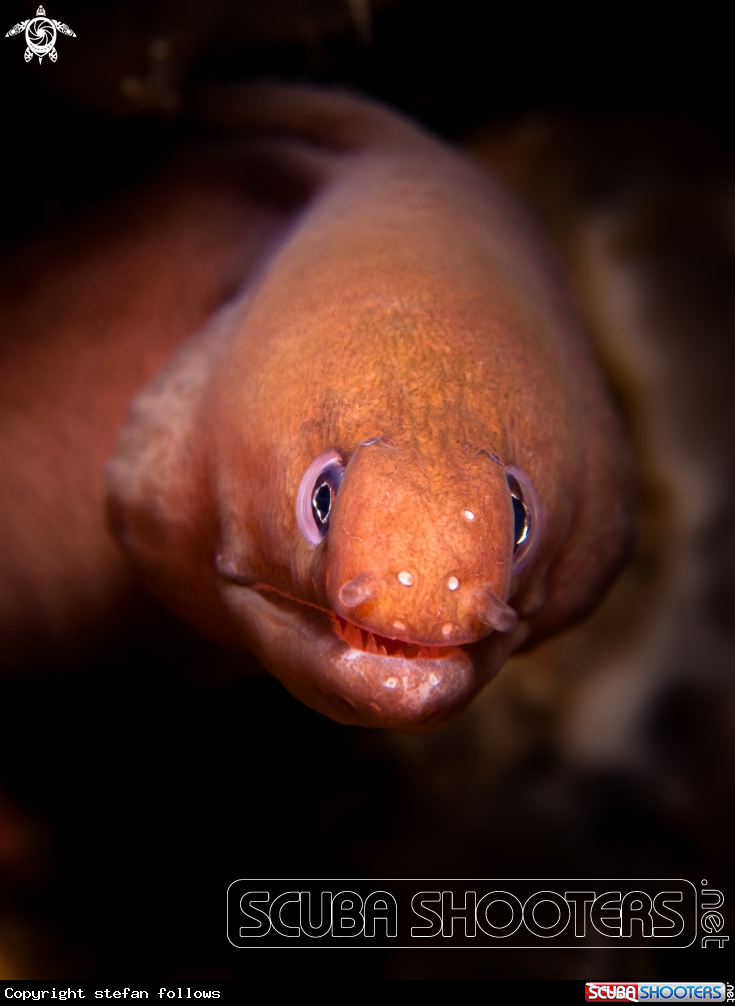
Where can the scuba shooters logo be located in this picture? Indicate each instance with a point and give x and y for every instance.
(687, 992)
(518, 913)
(40, 35)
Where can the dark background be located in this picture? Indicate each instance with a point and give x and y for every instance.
(453, 65)
(144, 790)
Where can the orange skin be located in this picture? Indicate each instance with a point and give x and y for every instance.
(413, 323)
(89, 312)
(408, 318)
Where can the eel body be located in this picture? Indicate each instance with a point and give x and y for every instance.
(389, 460)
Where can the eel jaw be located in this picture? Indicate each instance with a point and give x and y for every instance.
(304, 646)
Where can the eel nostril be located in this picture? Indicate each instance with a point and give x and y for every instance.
(495, 613)
(453, 583)
(362, 588)
(406, 578)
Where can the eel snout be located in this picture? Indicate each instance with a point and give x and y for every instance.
(407, 563)
(466, 620)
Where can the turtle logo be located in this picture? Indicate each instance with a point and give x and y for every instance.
(40, 35)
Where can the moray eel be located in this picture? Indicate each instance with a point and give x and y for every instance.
(390, 461)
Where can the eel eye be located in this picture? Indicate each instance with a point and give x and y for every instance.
(321, 504)
(526, 516)
(316, 495)
(521, 521)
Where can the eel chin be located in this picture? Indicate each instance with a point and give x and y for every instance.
(352, 677)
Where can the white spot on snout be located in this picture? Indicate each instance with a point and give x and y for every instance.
(399, 625)
(447, 629)
(452, 583)
(468, 515)
(390, 682)
(405, 578)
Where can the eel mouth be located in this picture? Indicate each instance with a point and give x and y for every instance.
(354, 676)
(383, 646)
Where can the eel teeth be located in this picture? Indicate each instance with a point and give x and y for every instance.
(367, 642)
